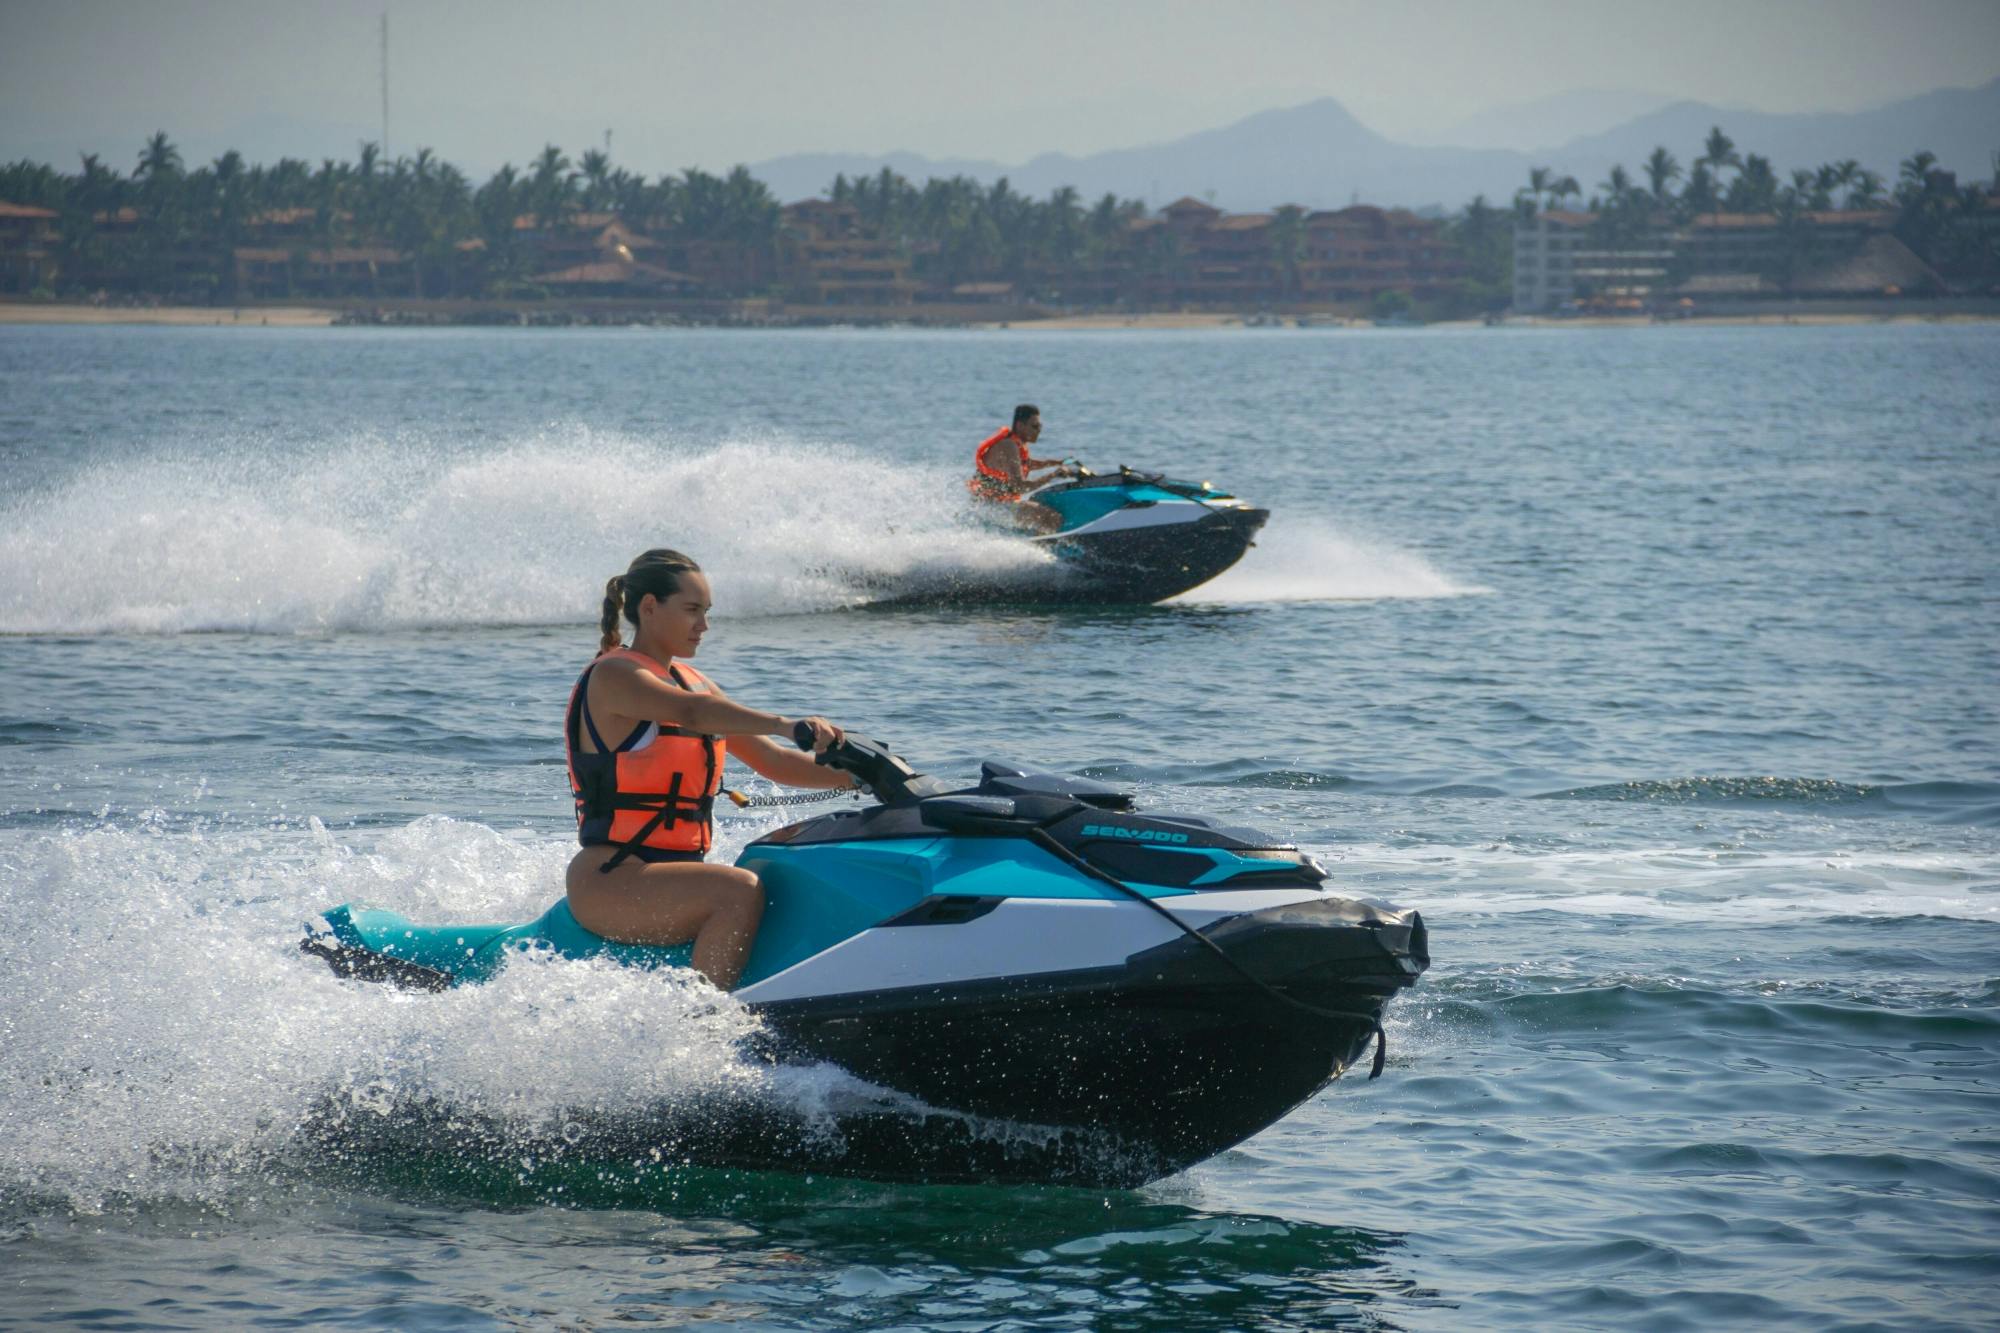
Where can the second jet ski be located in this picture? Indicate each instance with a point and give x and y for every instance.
(1126, 537)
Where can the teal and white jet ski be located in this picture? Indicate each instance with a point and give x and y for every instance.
(1026, 950)
(1127, 537)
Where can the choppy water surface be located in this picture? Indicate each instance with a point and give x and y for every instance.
(1658, 668)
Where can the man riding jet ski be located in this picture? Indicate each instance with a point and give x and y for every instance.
(1027, 949)
(1127, 537)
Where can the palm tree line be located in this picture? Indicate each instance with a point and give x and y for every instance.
(191, 220)
(1933, 212)
(464, 240)
(959, 230)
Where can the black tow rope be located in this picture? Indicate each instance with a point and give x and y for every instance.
(1049, 844)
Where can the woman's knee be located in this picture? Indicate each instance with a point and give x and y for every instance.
(746, 891)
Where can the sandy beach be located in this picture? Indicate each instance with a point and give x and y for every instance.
(301, 317)
(1159, 320)
(277, 316)
(1115, 322)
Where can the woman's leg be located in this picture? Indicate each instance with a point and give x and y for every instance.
(718, 907)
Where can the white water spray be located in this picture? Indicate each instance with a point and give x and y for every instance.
(369, 536)
(1311, 562)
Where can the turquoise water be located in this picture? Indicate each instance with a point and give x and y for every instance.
(1657, 667)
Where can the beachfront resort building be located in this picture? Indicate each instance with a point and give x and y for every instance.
(829, 259)
(1562, 259)
(27, 247)
(1191, 254)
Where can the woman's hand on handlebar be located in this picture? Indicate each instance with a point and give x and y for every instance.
(816, 734)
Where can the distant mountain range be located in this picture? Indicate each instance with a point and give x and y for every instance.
(1320, 156)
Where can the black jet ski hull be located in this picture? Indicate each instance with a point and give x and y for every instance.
(1126, 566)
(1174, 1054)
(1109, 1078)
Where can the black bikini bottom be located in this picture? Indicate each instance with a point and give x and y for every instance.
(654, 856)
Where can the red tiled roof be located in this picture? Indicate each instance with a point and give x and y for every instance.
(339, 254)
(1187, 203)
(1241, 222)
(8, 210)
(612, 273)
(1730, 221)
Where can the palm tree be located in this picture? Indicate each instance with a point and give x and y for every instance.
(1622, 203)
(1915, 174)
(1865, 191)
(1661, 172)
(1700, 196)
(549, 186)
(1925, 199)
(495, 205)
(162, 201)
(1755, 189)
(1794, 227)
(1538, 183)
(596, 167)
(1288, 246)
(1719, 151)
(1483, 236)
(1063, 231)
(158, 158)
(230, 209)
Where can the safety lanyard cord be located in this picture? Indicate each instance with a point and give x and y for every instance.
(1049, 844)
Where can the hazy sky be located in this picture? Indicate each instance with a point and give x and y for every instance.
(709, 83)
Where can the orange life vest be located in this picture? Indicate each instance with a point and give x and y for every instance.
(656, 789)
(989, 482)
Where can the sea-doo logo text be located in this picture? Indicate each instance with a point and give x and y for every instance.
(1141, 834)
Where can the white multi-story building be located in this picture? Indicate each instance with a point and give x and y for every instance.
(1558, 259)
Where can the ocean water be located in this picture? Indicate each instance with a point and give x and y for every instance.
(1657, 667)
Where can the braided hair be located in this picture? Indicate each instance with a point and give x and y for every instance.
(657, 572)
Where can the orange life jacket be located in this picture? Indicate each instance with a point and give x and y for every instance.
(657, 788)
(989, 482)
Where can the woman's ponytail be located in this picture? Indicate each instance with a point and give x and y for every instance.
(614, 602)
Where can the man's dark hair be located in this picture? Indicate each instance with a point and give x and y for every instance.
(1024, 411)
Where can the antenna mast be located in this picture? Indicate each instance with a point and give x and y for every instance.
(385, 86)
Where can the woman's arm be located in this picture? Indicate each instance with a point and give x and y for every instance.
(629, 690)
(784, 763)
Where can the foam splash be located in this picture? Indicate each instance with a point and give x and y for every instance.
(375, 536)
(371, 535)
(161, 1035)
(1312, 562)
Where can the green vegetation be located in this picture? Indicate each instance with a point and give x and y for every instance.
(1951, 226)
(417, 227)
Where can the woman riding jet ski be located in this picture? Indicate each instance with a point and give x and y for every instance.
(1027, 949)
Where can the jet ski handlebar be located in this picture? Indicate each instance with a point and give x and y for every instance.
(884, 776)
